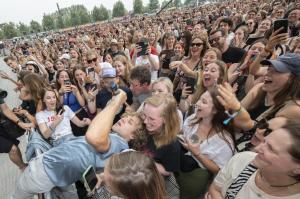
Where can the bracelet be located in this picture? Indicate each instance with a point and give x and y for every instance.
(231, 116)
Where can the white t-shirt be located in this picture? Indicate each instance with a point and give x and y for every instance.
(215, 147)
(144, 61)
(63, 128)
(249, 190)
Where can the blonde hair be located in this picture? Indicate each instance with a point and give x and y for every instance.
(171, 119)
(166, 81)
(124, 60)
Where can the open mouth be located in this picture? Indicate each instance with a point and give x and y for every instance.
(268, 81)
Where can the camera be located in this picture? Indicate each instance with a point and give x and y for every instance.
(3, 94)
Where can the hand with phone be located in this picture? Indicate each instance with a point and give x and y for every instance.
(275, 39)
(186, 91)
(191, 144)
(65, 87)
(58, 117)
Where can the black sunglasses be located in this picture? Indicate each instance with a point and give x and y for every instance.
(91, 60)
(197, 44)
(263, 124)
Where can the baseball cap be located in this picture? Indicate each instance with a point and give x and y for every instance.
(113, 41)
(287, 63)
(108, 72)
(65, 56)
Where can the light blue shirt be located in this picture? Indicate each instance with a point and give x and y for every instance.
(66, 163)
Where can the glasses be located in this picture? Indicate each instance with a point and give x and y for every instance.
(197, 44)
(263, 124)
(92, 60)
(216, 39)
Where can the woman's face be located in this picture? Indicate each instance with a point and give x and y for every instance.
(273, 152)
(171, 41)
(152, 118)
(274, 81)
(256, 48)
(120, 68)
(79, 76)
(73, 54)
(197, 46)
(108, 58)
(211, 74)
(264, 26)
(49, 65)
(63, 75)
(158, 88)
(209, 57)
(178, 50)
(204, 107)
(30, 68)
(59, 65)
(152, 37)
(239, 34)
(50, 100)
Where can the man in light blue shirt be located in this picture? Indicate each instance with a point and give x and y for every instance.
(61, 166)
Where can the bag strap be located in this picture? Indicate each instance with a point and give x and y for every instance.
(240, 181)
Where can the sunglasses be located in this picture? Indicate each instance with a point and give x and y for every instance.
(91, 60)
(263, 124)
(197, 44)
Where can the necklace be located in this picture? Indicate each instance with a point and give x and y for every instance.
(276, 186)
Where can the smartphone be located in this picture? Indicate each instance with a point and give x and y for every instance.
(67, 82)
(91, 72)
(60, 110)
(281, 23)
(90, 179)
(194, 138)
(144, 47)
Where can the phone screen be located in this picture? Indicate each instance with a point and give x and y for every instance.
(90, 178)
(91, 72)
(281, 23)
(67, 82)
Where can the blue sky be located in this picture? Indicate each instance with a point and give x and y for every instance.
(26, 10)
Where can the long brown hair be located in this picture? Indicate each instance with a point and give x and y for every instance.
(35, 83)
(223, 131)
(135, 176)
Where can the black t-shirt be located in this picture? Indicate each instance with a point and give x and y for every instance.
(168, 156)
(105, 96)
(233, 55)
(167, 59)
(29, 106)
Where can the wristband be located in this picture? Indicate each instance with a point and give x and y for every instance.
(231, 116)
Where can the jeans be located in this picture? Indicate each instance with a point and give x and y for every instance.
(35, 180)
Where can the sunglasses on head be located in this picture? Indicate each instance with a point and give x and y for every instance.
(196, 44)
(92, 60)
(263, 124)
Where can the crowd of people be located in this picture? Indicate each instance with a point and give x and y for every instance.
(206, 100)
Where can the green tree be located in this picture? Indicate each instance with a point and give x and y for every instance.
(104, 13)
(137, 6)
(48, 22)
(35, 26)
(165, 2)
(96, 14)
(153, 5)
(9, 30)
(188, 2)
(177, 3)
(118, 9)
(60, 22)
(23, 28)
(1, 35)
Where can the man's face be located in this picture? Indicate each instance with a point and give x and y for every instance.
(294, 16)
(225, 27)
(136, 87)
(108, 81)
(114, 47)
(217, 40)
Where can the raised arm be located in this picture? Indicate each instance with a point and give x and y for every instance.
(97, 134)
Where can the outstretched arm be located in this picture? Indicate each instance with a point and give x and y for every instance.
(97, 134)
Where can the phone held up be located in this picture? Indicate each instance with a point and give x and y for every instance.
(281, 23)
(90, 180)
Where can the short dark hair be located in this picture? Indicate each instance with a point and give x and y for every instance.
(226, 20)
(218, 30)
(141, 73)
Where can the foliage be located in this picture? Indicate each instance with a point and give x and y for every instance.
(118, 9)
(153, 5)
(48, 22)
(137, 6)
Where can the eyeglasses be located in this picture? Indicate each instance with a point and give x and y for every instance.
(91, 60)
(263, 124)
(197, 44)
(216, 39)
